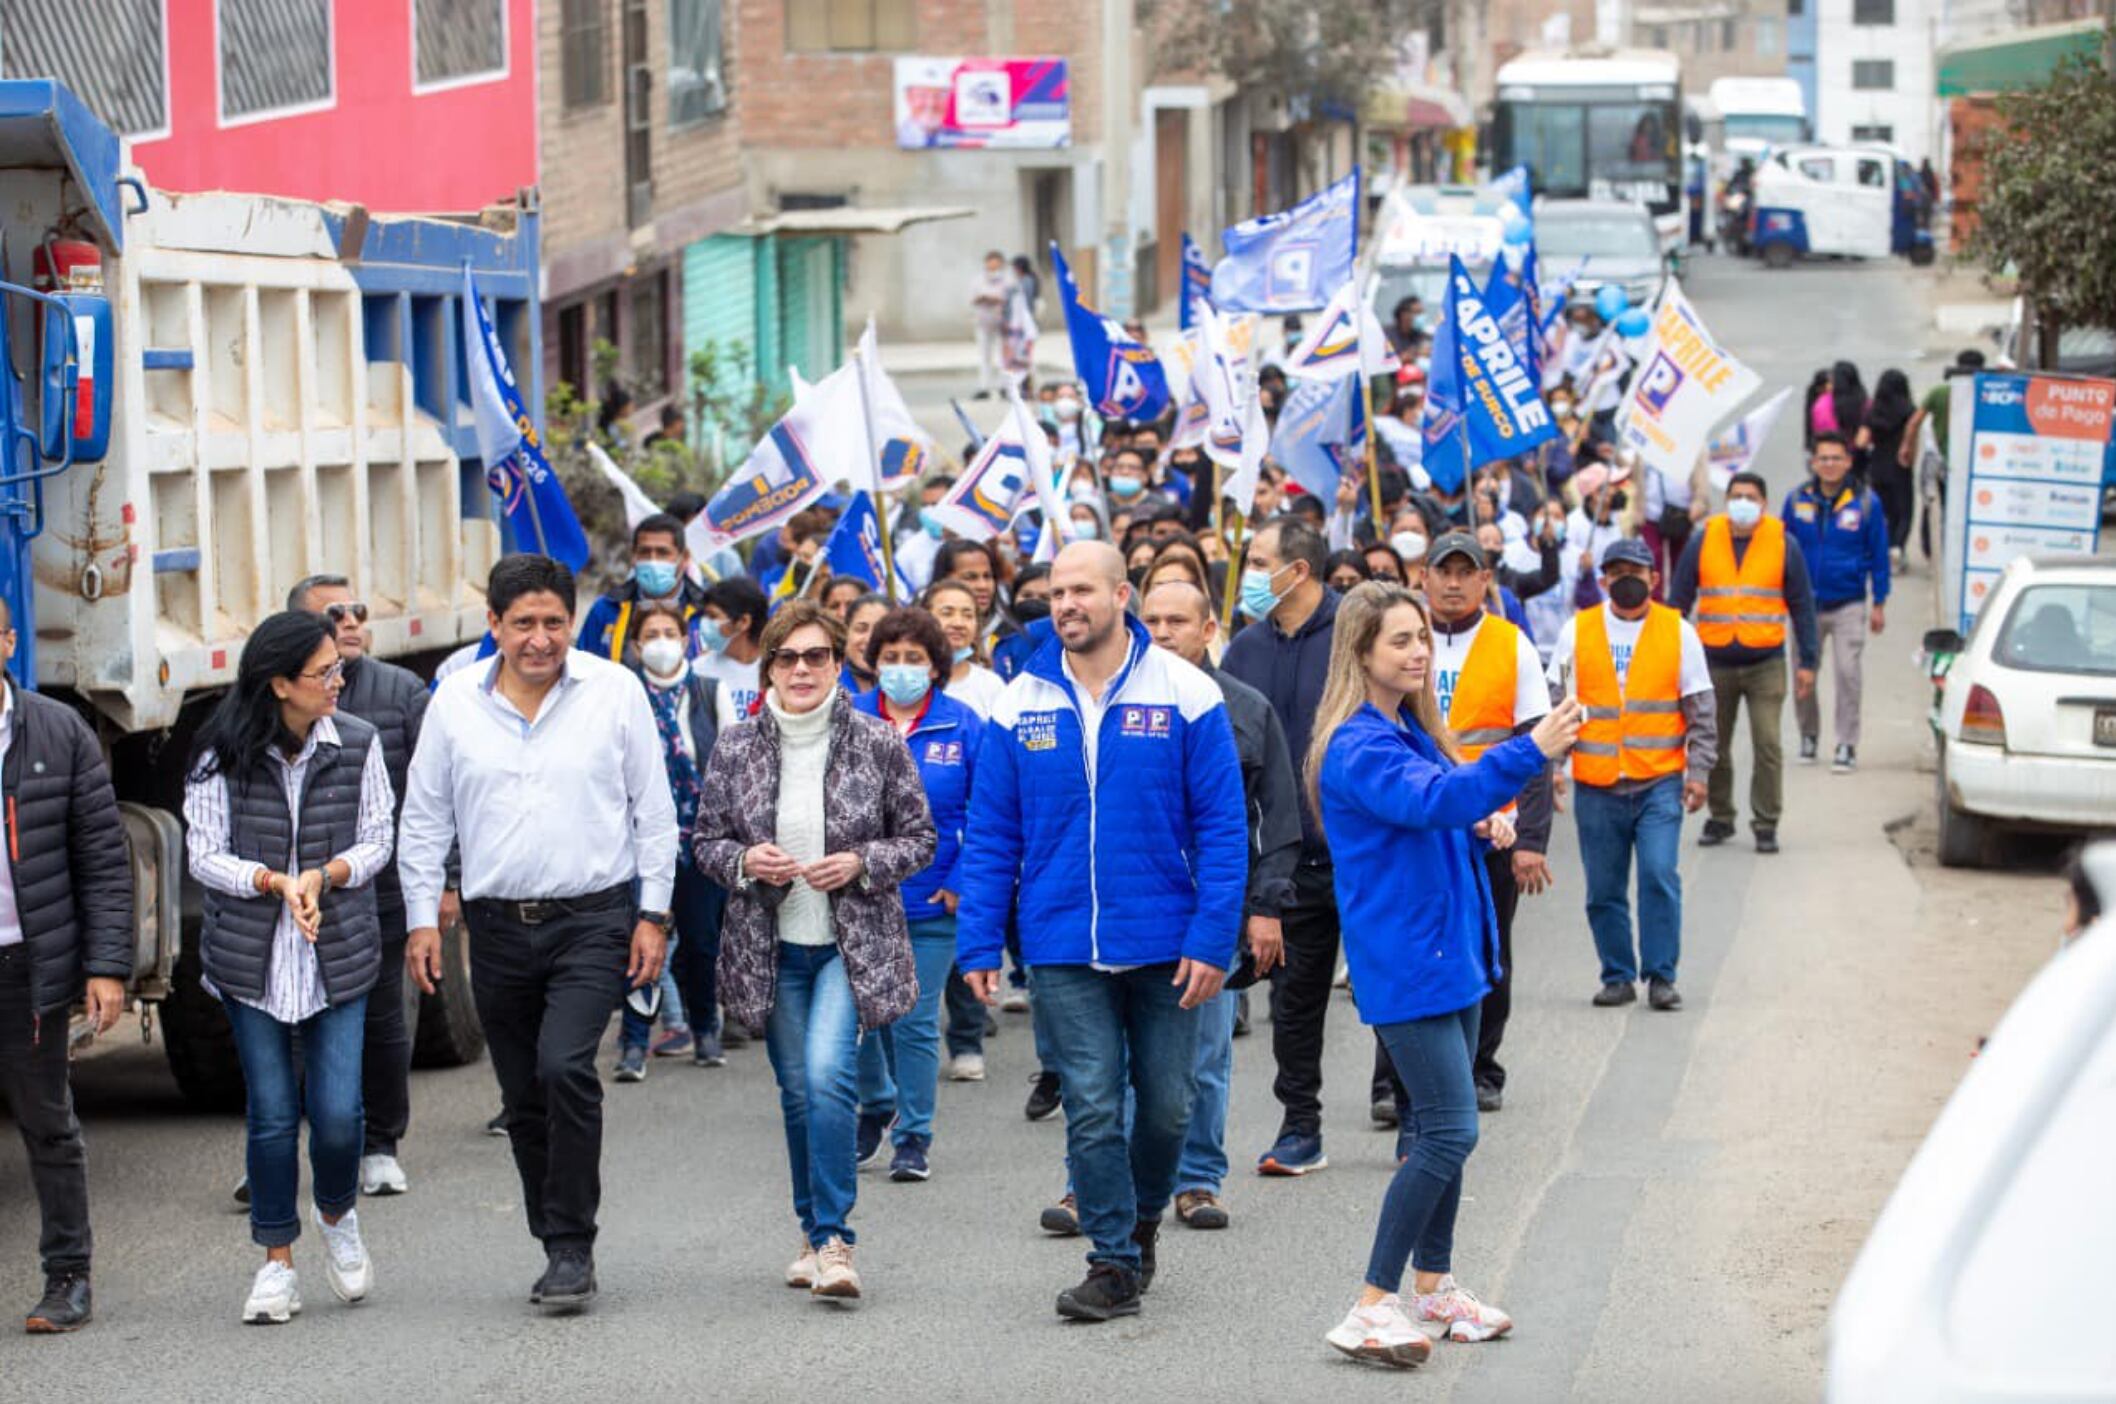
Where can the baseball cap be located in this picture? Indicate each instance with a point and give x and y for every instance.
(1629, 551)
(1455, 543)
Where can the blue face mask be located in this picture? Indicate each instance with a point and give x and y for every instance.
(1258, 598)
(962, 655)
(713, 635)
(656, 578)
(906, 683)
(1124, 485)
(929, 524)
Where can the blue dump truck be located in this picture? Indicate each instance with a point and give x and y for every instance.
(210, 396)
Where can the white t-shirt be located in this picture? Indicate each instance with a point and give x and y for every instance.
(1451, 652)
(978, 690)
(1696, 674)
(735, 685)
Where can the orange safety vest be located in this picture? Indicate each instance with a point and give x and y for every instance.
(1636, 733)
(1742, 603)
(1481, 713)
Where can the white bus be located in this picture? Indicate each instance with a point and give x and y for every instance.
(1597, 124)
(1759, 115)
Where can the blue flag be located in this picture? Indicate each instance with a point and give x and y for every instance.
(1514, 186)
(537, 514)
(855, 547)
(1123, 377)
(1293, 260)
(1318, 435)
(1197, 281)
(1506, 298)
(1481, 403)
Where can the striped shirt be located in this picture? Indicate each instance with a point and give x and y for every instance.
(294, 980)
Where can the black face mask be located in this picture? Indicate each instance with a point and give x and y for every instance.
(1026, 610)
(1629, 591)
(1137, 575)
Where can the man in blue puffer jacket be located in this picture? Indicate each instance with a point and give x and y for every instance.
(1114, 762)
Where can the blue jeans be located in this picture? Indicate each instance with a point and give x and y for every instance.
(900, 1062)
(1104, 1031)
(326, 1086)
(1433, 1057)
(1613, 825)
(1204, 1162)
(813, 1037)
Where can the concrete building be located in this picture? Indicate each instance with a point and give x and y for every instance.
(1717, 38)
(1800, 17)
(1873, 73)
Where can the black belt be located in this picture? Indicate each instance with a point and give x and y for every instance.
(537, 911)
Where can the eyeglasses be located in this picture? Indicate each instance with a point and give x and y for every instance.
(336, 613)
(814, 659)
(334, 673)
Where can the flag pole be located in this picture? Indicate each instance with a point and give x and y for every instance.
(1381, 528)
(874, 471)
(1233, 575)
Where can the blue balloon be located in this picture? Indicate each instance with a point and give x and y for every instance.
(1519, 232)
(1610, 302)
(1634, 323)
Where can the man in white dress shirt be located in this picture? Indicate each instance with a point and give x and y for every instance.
(545, 766)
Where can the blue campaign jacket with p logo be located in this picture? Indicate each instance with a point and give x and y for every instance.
(1146, 865)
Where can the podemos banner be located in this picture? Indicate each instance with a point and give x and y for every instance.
(973, 103)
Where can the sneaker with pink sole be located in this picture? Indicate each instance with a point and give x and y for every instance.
(1381, 1332)
(1456, 1307)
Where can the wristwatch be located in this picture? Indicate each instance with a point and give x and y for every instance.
(664, 920)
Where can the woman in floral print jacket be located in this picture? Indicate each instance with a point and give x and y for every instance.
(812, 817)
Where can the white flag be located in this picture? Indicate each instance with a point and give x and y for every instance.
(1346, 337)
(1684, 385)
(906, 450)
(638, 506)
(1734, 449)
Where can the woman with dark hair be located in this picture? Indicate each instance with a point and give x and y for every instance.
(860, 619)
(1345, 569)
(977, 565)
(812, 817)
(969, 681)
(1385, 563)
(1880, 441)
(290, 818)
(1812, 418)
(900, 1063)
(1408, 824)
(1847, 400)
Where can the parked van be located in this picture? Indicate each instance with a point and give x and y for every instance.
(1837, 201)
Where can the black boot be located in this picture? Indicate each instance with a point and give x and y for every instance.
(1109, 1290)
(568, 1280)
(67, 1304)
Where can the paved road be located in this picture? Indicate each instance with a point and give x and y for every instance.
(1666, 1204)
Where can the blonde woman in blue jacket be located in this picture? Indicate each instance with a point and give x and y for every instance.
(1408, 824)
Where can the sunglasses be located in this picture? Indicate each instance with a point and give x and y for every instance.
(814, 659)
(329, 675)
(337, 613)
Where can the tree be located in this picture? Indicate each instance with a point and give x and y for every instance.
(2048, 168)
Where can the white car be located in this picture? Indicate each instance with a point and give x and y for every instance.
(1989, 1275)
(2026, 723)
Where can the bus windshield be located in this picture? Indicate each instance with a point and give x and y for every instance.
(1626, 149)
(1776, 128)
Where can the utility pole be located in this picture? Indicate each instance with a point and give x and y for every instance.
(1120, 97)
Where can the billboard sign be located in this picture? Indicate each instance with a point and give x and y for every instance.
(957, 104)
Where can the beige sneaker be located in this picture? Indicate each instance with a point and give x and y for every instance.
(801, 1272)
(835, 1275)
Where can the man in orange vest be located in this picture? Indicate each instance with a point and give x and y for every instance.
(1649, 741)
(1747, 580)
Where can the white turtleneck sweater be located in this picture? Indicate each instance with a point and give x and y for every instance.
(804, 749)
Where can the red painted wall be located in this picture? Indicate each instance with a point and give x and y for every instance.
(379, 144)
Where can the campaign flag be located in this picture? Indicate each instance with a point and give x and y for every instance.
(1197, 282)
(638, 506)
(1001, 480)
(1686, 384)
(1317, 437)
(1481, 402)
(1514, 186)
(533, 502)
(1734, 449)
(790, 467)
(1123, 377)
(906, 451)
(1506, 298)
(1193, 415)
(1346, 339)
(1225, 380)
(855, 547)
(799, 382)
(1290, 261)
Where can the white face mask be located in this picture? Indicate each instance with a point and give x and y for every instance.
(1067, 407)
(663, 657)
(1409, 545)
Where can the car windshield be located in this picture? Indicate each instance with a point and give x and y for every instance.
(1424, 282)
(2061, 629)
(1776, 129)
(1606, 235)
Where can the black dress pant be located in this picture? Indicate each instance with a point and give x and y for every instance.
(33, 1084)
(385, 1056)
(1300, 999)
(1498, 1002)
(546, 989)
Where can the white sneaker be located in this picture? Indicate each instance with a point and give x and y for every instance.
(275, 1296)
(1016, 1000)
(801, 1272)
(966, 1067)
(1382, 1333)
(346, 1263)
(1456, 1307)
(835, 1274)
(380, 1174)
(1343, 979)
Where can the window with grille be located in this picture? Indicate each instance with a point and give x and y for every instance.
(584, 70)
(854, 25)
(1873, 75)
(111, 55)
(697, 67)
(274, 55)
(459, 39)
(646, 336)
(1878, 131)
(1873, 11)
(1766, 38)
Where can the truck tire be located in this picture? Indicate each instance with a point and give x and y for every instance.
(1965, 839)
(1778, 254)
(198, 1042)
(449, 1034)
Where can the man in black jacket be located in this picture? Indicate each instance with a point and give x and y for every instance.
(1180, 618)
(393, 701)
(65, 930)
